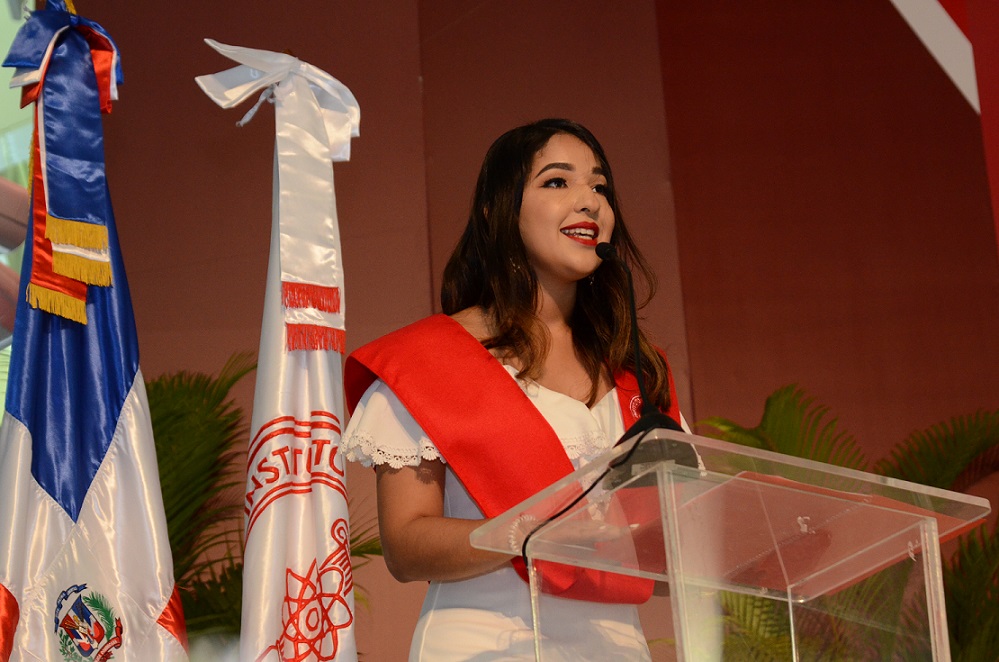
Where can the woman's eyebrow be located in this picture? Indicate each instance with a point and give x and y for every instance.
(557, 166)
(597, 170)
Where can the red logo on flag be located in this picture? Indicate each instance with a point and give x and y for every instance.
(315, 606)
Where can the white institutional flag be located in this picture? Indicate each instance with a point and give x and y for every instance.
(298, 598)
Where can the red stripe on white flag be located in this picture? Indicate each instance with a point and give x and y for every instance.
(115, 553)
(10, 613)
(945, 40)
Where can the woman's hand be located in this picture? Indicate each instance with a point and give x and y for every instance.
(418, 542)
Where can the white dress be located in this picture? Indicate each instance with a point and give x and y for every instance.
(489, 617)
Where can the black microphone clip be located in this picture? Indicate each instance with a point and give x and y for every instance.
(605, 250)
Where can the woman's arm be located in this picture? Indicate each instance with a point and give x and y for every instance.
(419, 543)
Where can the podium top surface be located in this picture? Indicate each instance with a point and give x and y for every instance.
(772, 522)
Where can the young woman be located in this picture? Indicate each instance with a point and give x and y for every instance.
(527, 375)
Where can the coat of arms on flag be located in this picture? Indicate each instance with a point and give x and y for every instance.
(87, 626)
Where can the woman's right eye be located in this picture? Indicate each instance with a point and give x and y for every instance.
(554, 182)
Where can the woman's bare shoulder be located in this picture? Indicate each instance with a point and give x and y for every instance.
(479, 324)
(476, 321)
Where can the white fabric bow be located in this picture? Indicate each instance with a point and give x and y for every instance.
(315, 116)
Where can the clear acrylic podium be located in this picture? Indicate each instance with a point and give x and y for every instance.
(766, 557)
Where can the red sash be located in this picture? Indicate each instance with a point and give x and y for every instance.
(429, 366)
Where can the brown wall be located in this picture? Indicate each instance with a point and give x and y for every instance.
(192, 195)
(831, 204)
(834, 219)
(492, 67)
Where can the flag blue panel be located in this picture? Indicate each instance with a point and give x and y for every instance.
(68, 381)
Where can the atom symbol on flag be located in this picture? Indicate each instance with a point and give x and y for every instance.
(315, 610)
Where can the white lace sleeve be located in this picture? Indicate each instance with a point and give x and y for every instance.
(382, 431)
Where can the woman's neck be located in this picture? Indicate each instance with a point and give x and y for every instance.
(555, 306)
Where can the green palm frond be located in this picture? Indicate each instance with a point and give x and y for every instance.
(364, 540)
(793, 424)
(864, 620)
(196, 428)
(756, 628)
(951, 455)
(971, 581)
(914, 618)
(102, 608)
(365, 544)
(880, 615)
(859, 622)
(213, 603)
(734, 433)
(213, 600)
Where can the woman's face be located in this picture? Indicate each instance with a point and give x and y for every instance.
(564, 213)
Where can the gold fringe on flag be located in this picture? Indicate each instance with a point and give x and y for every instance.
(92, 272)
(57, 303)
(76, 233)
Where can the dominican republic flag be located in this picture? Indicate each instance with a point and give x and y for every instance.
(298, 586)
(85, 563)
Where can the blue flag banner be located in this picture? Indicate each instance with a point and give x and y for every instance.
(86, 571)
(69, 67)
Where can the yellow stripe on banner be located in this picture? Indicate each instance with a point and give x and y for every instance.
(76, 233)
(70, 7)
(57, 303)
(31, 161)
(91, 272)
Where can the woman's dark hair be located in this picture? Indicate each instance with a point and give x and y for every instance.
(489, 268)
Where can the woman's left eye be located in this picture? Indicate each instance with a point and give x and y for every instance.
(555, 182)
(600, 189)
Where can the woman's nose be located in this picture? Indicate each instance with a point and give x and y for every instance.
(588, 202)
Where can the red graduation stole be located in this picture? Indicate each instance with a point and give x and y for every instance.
(428, 365)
